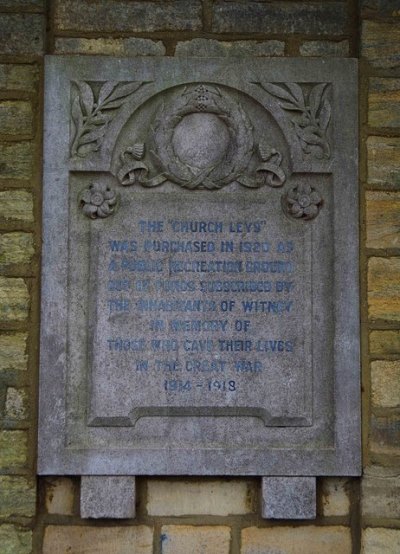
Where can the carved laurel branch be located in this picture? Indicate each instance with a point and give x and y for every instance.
(311, 114)
(91, 116)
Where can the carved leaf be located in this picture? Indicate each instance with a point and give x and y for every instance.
(325, 115)
(297, 92)
(106, 90)
(86, 97)
(279, 92)
(122, 91)
(315, 98)
(290, 107)
(92, 135)
(86, 149)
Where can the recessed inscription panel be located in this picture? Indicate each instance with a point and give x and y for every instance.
(199, 272)
(201, 312)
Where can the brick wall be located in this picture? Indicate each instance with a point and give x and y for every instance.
(207, 516)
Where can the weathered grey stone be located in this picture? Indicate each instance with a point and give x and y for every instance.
(208, 47)
(21, 34)
(327, 18)
(289, 497)
(112, 497)
(198, 317)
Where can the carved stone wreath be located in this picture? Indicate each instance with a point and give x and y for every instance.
(234, 159)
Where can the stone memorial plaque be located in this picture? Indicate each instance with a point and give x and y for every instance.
(200, 279)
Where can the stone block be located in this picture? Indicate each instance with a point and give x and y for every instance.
(379, 540)
(14, 299)
(385, 384)
(126, 15)
(18, 77)
(13, 355)
(16, 160)
(16, 404)
(383, 219)
(17, 5)
(335, 499)
(22, 34)
(384, 102)
(13, 450)
(297, 540)
(376, 46)
(218, 498)
(16, 248)
(110, 46)
(181, 539)
(384, 161)
(60, 494)
(380, 8)
(103, 496)
(17, 205)
(328, 18)
(17, 496)
(383, 343)
(289, 497)
(209, 47)
(384, 288)
(15, 540)
(325, 48)
(98, 540)
(16, 117)
(384, 435)
(380, 493)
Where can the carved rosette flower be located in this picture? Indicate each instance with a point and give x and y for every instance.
(98, 200)
(302, 202)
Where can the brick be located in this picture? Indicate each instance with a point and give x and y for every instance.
(380, 541)
(380, 493)
(18, 77)
(14, 299)
(377, 48)
(16, 248)
(16, 160)
(335, 500)
(382, 8)
(98, 540)
(384, 435)
(385, 383)
(13, 355)
(384, 161)
(384, 288)
(17, 496)
(382, 343)
(126, 15)
(328, 18)
(13, 449)
(17, 5)
(15, 540)
(17, 205)
(218, 498)
(60, 495)
(325, 48)
(296, 540)
(16, 117)
(384, 102)
(181, 539)
(21, 34)
(110, 46)
(383, 219)
(106, 496)
(201, 47)
(16, 404)
(289, 497)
